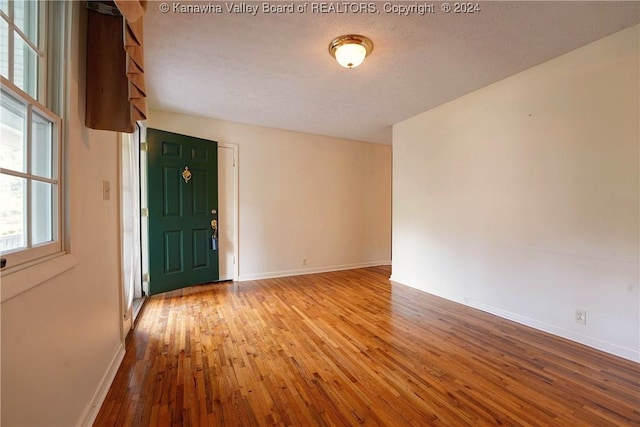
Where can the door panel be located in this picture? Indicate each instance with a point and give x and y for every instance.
(201, 239)
(180, 210)
(200, 189)
(172, 192)
(173, 254)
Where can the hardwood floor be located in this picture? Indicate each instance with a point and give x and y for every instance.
(349, 348)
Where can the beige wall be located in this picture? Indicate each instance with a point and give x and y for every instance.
(320, 198)
(302, 196)
(60, 339)
(521, 199)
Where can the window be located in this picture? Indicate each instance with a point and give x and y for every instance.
(30, 133)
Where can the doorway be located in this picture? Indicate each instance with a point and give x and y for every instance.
(134, 157)
(228, 212)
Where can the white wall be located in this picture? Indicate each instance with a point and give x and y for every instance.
(302, 196)
(60, 339)
(522, 198)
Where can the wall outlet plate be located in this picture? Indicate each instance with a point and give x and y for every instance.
(581, 317)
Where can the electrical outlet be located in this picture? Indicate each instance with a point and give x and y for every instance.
(304, 261)
(581, 317)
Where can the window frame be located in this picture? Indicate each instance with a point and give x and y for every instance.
(39, 46)
(52, 69)
(32, 251)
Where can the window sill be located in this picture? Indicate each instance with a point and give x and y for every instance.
(15, 282)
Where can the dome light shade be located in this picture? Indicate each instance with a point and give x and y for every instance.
(350, 50)
(350, 55)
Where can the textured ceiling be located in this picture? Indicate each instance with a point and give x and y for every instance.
(273, 69)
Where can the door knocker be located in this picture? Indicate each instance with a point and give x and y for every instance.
(186, 174)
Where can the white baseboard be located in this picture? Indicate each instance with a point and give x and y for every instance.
(309, 270)
(625, 353)
(607, 347)
(91, 411)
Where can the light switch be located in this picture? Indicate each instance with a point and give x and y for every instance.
(106, 190)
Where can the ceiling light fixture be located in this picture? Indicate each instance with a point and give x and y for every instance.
(350, 50)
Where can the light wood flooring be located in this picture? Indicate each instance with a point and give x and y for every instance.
(349, 348)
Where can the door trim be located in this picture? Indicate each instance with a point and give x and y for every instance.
(236, 211)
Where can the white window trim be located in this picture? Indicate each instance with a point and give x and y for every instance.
(17, 279)
(24, 255)
(43, 33)
(27, 276)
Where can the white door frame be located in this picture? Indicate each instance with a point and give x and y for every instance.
(236, 212)
(144, 206)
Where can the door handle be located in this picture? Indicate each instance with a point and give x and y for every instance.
(214, 231)
(214, 223)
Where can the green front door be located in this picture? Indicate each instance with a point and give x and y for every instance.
(183, 201)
